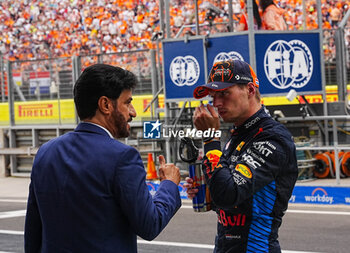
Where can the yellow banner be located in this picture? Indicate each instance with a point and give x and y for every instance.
(4, 114)
(63, 112)
(40, 112)
(140, 103)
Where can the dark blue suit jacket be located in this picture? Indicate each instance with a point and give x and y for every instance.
(88, 194)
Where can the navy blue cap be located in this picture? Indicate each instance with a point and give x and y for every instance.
(226, 73)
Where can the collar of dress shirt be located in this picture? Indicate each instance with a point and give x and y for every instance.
(108, 132)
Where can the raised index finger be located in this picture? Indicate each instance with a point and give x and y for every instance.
(161, 160)
(212, 110)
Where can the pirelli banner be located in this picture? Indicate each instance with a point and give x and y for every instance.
(61, 111)
(55, 112)
(284, 61)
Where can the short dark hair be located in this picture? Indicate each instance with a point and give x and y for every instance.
(257, 91)
(100, 80)
(265, 3)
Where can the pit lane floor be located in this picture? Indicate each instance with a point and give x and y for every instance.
(306, 228)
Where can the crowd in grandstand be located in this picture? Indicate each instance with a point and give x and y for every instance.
(50, 28)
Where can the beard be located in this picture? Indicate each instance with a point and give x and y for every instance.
(120, 124)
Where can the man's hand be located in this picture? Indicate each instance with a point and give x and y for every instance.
(168, 171)
(204, 119)
(191, 192)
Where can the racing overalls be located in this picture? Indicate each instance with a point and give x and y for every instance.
(251, 181)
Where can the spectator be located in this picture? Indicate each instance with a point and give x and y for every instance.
(335, 15)
(71, 27)
(243, 22)
(272, 16)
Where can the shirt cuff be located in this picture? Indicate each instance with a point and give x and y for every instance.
(212, 145)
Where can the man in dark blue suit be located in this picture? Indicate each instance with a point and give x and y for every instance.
(88, 190)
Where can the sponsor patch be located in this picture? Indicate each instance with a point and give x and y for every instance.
(231, 220)
(250, 161)
(231, 237)
(262, 149)
(213, 154)
(239, 147)
(252, 122)
(214, 158)
(234, 158)
(239, 180)
(256, 156)
(244, 170)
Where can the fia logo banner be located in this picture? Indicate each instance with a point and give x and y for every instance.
(184, 70)
(151, 129)
(288, 64)
(232, 55)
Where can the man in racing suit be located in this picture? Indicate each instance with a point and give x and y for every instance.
(252, 178)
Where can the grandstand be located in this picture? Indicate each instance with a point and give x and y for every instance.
(50, 29)
(47, 28)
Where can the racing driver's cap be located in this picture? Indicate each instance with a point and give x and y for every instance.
(224, 74)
